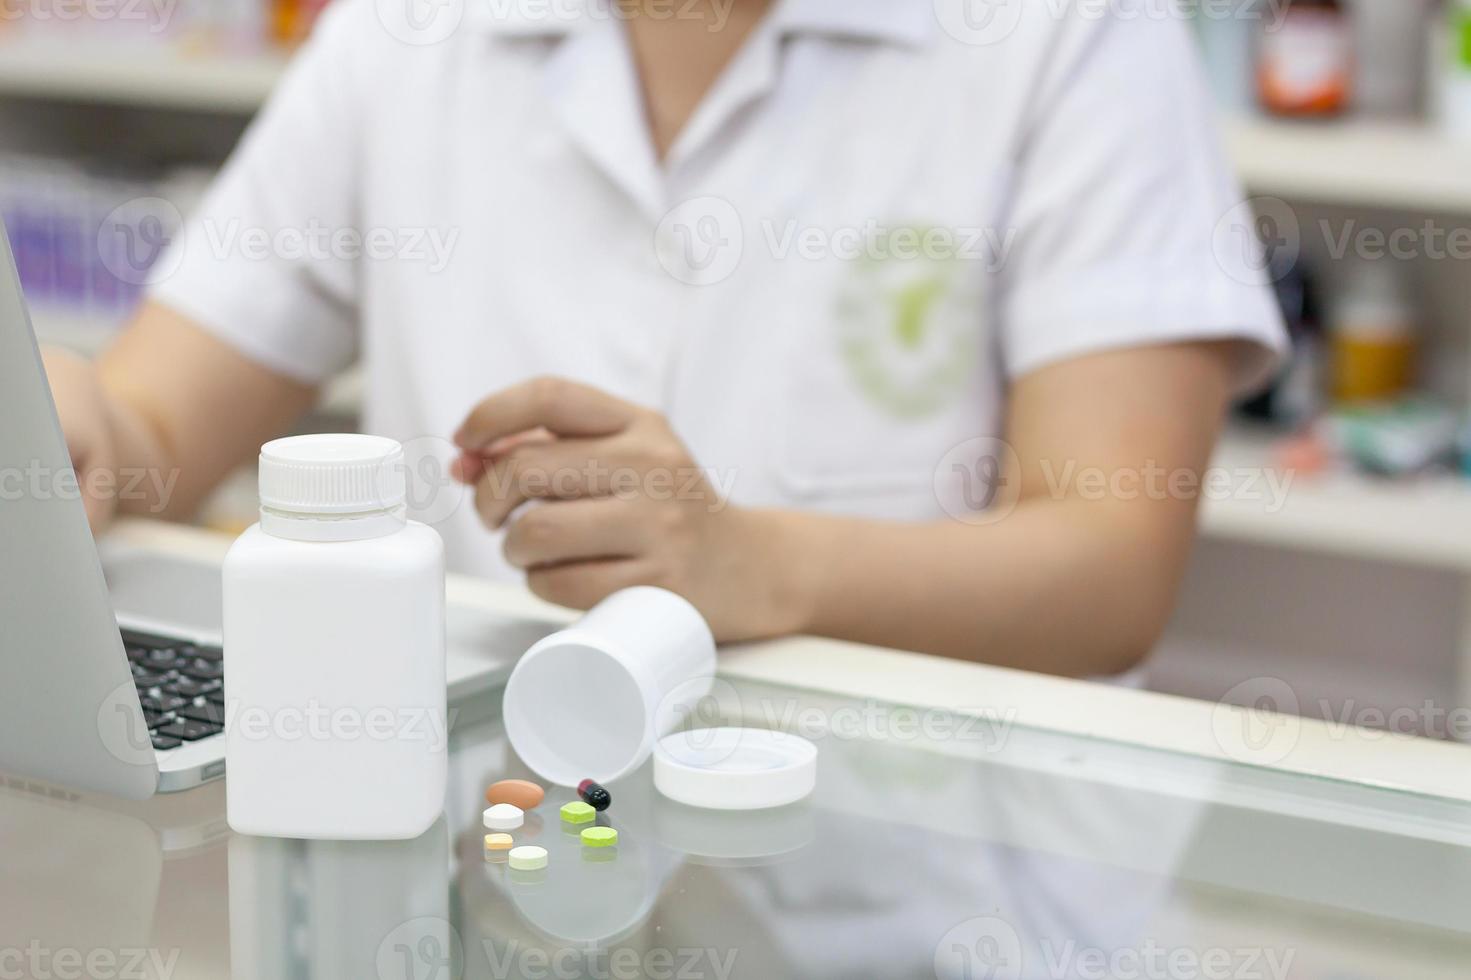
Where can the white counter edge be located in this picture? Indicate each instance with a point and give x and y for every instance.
(1142, 718)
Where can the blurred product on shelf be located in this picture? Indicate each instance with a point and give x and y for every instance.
(1451, 70)
(1295, 396)
(1395, 438)
(291, 20)
(1390, 53)
(86, 240)
(1373, 337)
(194, 26)
(1225, 38)
(1305, 62)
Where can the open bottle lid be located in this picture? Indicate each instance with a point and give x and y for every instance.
(735, 768)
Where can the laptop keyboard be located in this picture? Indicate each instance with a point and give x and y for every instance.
(181, 687)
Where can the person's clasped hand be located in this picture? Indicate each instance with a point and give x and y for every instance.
(616, 500)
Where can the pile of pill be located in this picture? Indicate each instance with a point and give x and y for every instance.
(509, 800)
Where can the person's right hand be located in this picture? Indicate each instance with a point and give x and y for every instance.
(86, 420)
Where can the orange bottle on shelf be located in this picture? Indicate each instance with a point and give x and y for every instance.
(291, 20)
(1305, 62)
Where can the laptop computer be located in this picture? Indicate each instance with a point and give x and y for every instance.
(127, 701)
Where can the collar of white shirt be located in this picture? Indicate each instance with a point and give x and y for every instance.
(904, 22)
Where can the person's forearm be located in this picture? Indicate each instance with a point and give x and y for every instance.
(1067, 587)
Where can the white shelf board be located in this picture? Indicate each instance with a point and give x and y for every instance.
(153, 75)
(1424, 522)
(1391, 165)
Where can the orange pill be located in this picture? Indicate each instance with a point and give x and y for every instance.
(517, 792)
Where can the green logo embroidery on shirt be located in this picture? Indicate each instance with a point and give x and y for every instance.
(908, 329)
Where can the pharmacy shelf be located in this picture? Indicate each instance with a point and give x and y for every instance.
(1418, 522)
(1390, 165)
(150, 75)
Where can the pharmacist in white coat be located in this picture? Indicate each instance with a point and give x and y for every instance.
(906, 321)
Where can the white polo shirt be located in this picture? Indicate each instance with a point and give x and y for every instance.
(882, 212)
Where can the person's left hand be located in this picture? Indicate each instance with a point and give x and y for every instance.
(616, 500)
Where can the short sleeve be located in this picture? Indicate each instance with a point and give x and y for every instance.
(1122, 189)
(266, 262)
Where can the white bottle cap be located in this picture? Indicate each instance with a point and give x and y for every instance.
(332, 474)
(735, 768)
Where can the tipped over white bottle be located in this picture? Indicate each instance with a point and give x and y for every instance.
(335, 719)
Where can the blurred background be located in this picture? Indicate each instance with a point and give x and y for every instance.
(1349, 122)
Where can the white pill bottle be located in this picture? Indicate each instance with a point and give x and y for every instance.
(335, 720)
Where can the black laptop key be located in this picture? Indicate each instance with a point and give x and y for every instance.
(161, 660)
(214, 654)
(156, 719)
(212, 713)
(163, 702)
(146, 679)
(162, 742)
(189, 730)
(189, 687)
(216, 697)
(203, 670)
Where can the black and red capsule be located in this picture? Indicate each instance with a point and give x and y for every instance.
(594, 795)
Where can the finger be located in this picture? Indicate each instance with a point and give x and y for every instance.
(584, 584)
(565, 408)
(559, 470)
(467, 468)
(577, 530)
